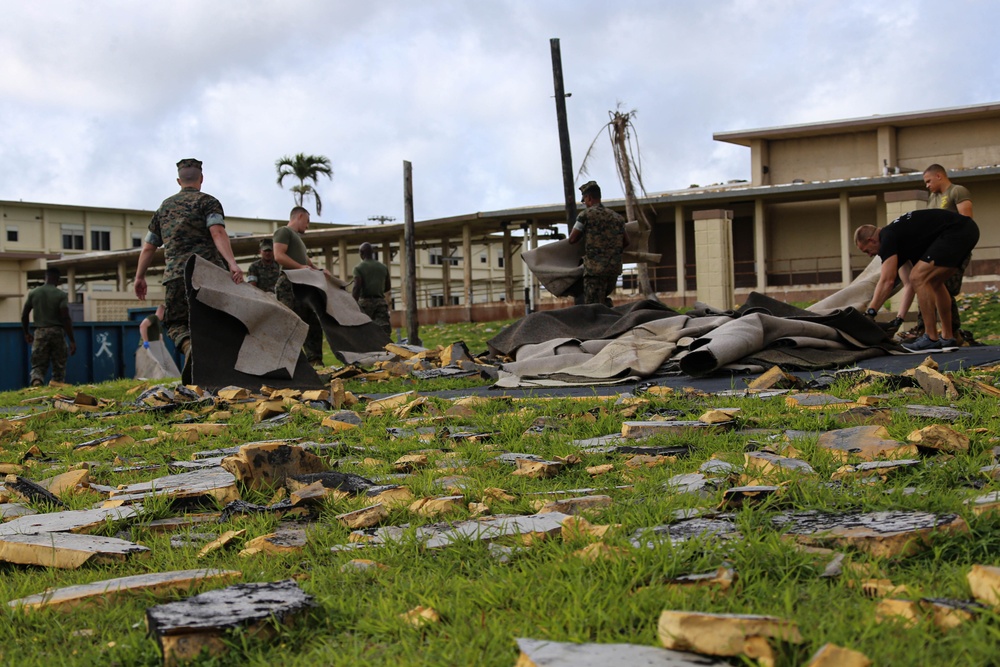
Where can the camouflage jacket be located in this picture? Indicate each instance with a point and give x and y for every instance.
(603, 231)
(181, 226)
(264, 276)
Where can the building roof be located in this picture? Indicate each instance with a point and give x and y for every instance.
(867, 123)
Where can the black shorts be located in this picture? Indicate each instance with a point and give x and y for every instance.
(953, 245)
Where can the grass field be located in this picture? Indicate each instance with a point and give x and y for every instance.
(553, 588)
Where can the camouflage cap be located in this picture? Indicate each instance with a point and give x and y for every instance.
(189, 162)
(266, 244)
(589, 185)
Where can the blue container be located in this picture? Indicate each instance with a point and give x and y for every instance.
(104, 351)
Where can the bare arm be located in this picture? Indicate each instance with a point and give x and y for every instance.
(221, 240)
(965, 207)
(575, 235)
(906, 298)
(145, 259)
(887, 278)
(359, 284)
(144, 330)
(281, 257)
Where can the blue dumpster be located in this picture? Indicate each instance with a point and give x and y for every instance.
(104, 351)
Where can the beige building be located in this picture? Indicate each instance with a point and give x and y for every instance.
(786, 231)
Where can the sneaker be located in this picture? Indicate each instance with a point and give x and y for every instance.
(948, 342)
(922, 344)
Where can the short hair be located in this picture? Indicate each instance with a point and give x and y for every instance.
(298, 210)
(189, 174)
(52, 273)
(936, 169)
(594, 191)
(365, 249)
(864, 233)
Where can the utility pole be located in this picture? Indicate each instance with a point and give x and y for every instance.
(381, 219)
(567, 157)
(412, 324)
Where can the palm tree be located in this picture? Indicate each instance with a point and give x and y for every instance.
(305, 168)
(629, 166)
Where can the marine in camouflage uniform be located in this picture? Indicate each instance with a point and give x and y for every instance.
(371, 282)
(183, 227)
(264, 272)
(603, 234)
(52, 325)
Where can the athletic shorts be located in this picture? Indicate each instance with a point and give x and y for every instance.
(953, 245)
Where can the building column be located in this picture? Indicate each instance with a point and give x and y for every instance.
(328, 258)
(71, 284)
(342, 258)
(680, 250)
(535, 285)
(122, 281)
(402, 272)
(446, 270)
(467, 266)
(903, 201)
(846, 239)
(508, 269)
(713, 242)
(759, 244)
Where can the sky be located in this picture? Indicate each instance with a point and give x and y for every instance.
(99, 100)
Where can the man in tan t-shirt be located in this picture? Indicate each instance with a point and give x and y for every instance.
(290, 252)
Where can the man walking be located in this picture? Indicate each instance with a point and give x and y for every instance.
(290, 253)
(371, 285)
(190, 222)
(52, 321)
(603, 234)
(935, 241)
(264, 272)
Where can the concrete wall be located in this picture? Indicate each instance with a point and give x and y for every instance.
(824, 158)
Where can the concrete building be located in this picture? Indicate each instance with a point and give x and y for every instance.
(786, 231)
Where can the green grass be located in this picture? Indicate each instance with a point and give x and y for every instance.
(545, 591)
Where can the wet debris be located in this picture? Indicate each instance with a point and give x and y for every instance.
(726, 634)
(266, 465)
(543, 653)
(107, 591)
(702, 528)
(66, 550)
(29, 491)
(214, 483)
(831, 655)
(890, 534)
(75, 521)
(185, 628)
(864, 442)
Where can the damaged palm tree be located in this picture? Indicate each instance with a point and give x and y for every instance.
(629, 165)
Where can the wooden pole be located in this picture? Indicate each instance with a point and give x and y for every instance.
(564, 146)
(412, 333)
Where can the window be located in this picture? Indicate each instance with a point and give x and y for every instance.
(500, 260)
(437, 300)
(137, 239)
(434, 256)
(100, 239)
(72, 237)
(11, 233)
(483, 258)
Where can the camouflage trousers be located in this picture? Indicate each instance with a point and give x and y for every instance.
(597, 288)
(376, 308)
(313, 347)
(176, 320)
(49, 346)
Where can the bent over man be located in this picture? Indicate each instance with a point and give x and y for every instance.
(936, 242)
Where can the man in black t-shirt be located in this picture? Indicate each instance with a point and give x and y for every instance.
(934, 242)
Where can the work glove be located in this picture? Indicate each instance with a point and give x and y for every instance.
(145, 344)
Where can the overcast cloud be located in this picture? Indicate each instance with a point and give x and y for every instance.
(98, 100)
